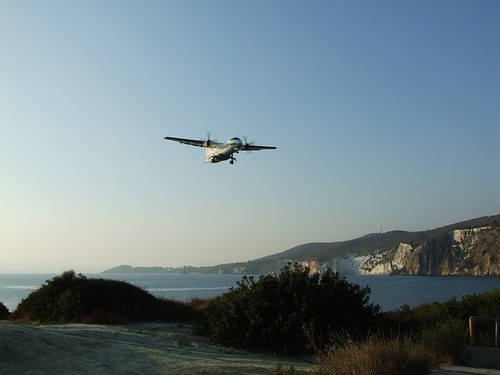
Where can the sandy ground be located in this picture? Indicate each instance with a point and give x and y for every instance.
(149, 348)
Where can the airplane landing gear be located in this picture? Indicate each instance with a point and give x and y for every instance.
(232, 159)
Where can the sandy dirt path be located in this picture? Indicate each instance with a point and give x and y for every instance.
(149, 348)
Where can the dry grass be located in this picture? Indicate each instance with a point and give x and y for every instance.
(448, 341)
(197, 304)
(375, 356)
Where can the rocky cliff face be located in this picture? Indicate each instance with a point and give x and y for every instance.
(449, 250)
(474, 252)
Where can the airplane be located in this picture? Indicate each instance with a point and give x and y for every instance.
(216, 152)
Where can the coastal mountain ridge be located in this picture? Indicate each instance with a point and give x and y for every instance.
(469, 247)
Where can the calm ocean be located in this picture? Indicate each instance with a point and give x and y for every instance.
(390, 292)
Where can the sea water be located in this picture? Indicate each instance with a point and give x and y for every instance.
(389, 292)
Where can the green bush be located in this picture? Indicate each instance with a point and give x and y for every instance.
(75, 298)
(272, 312)
(4, 311)
(483, 304)
(442, 326)
(428, 314)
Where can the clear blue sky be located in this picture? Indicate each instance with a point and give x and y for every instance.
(385, 113)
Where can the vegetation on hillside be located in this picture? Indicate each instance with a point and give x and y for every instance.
(71, 298)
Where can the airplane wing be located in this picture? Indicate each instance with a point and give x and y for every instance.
(194, 142)
(250, 147)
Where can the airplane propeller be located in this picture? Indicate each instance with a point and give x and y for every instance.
(207, 141)
(246, 144)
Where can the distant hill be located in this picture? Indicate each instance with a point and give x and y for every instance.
(394, 252)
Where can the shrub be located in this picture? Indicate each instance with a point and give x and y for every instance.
(447, 340)
(375, 356)
(75, 298)
(483, 333)
(484, 304)
(271, 313)
(4, 311)
(429, 314)
(442, 326)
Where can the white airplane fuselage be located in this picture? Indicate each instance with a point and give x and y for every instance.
(224, 152)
